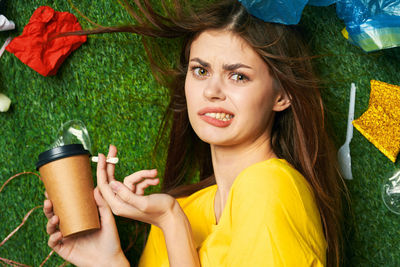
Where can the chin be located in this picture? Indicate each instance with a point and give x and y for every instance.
(214, 135)
(216, 140)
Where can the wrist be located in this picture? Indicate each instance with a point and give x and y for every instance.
(173, 217)
(119, 261)
(178, 235)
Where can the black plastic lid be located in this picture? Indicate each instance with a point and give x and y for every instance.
(59, 153)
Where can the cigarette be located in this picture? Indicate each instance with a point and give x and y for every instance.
(111, 160)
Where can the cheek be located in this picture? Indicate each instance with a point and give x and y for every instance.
(249, 102)
(193, 92)
(191, 98)
(188, 95)
(257, 105)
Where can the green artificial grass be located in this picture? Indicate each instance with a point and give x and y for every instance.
(107, 84)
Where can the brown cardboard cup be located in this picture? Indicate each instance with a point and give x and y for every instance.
(67, 177)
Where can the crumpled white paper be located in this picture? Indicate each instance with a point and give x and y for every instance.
(4, 45)
(5, 24)
(5, 103)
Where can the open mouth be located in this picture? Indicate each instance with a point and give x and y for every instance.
(219, 116)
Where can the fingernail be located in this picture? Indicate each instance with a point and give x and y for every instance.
(114, 185)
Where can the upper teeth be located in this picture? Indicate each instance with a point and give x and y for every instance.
(220, 116)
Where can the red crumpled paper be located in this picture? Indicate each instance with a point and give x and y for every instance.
(33, 47)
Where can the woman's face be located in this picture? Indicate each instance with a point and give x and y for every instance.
(229, 91)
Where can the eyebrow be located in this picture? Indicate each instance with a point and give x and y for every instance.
(201, 62)
(236, 66)
(228, 67)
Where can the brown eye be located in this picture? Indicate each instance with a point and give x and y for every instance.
(239, 77)
(201, 72)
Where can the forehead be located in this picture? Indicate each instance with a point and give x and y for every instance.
(223, 45)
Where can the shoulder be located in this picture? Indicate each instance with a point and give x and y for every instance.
(281, 200)
(274, 176)
(274, 185)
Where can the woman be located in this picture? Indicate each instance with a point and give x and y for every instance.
(269, 192)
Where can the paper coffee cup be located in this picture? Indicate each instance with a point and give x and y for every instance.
(67, 177)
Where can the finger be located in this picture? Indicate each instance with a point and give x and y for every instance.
(102, 180)
(54, 240)
(112, 152)
(104, 210)
(100, 201)
(52, 224)
(102, 175)
(146, 183)
(127, 196)
(136, 177)
(48, 209)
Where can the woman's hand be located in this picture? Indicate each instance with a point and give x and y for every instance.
(99, 248)
(127, 199)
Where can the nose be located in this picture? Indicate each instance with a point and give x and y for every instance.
(213, 90)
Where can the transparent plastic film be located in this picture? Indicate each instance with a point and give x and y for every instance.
(73, 132)
(391, 193)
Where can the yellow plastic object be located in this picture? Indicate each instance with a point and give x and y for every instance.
(345, 33)
(380, 123)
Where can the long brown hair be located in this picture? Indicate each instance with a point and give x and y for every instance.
(298, 134)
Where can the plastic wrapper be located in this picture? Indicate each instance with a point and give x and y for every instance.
(380, 123)
(371, 24)
(321, 2)
(281, 11)
(35, 46)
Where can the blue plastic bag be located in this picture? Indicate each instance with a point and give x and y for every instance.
(321, 2)
(371, 24)
(281, 11)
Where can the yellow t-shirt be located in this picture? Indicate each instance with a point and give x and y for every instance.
(270, 219)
